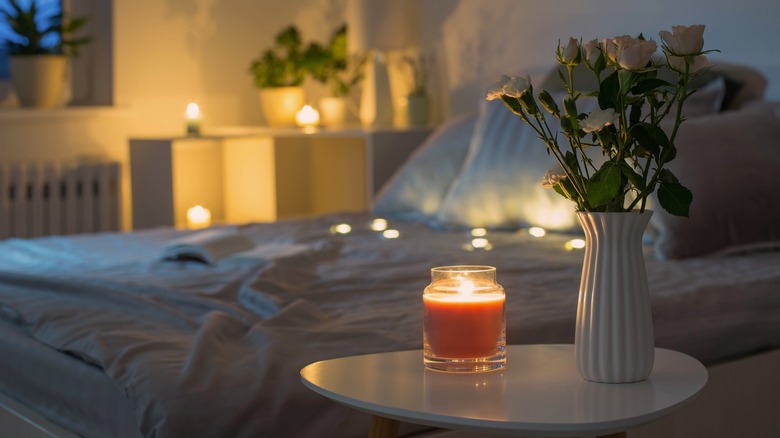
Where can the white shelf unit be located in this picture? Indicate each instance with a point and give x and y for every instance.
(247, 174)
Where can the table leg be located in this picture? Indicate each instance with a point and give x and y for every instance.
(614, 435)
(382, 427)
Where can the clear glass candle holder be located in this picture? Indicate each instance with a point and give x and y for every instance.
(464, 327)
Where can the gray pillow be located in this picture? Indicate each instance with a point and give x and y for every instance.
(731, 162)
(416, 190)
(499, 185)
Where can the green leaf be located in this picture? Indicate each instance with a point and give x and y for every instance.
(641, 132)
(604, 184)
(650, 84)
(635, 114)
(675, 198)
(666, 175)
(608, 91)
(626, 80)
(560, 190)
(636, 179)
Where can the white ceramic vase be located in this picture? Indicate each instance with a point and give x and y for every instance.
(281, 104)
(614, 340)
(376, 106)
(38, 80)
(418, 109)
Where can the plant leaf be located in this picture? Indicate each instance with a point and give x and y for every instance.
(650, 84)
(675, 198)
(604, 184)
(608, 91)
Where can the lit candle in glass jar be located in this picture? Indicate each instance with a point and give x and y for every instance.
(198, 217)
(464, 328)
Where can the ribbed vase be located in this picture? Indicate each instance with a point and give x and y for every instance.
(614, 340)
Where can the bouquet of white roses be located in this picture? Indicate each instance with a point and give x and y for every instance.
(626, 128)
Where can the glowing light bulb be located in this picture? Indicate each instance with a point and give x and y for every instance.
(391, 234)
(479, 232)
(537, 231)
(379, 224)
(341, 229)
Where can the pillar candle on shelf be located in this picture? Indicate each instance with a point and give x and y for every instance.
(464, 328)
(198, 217)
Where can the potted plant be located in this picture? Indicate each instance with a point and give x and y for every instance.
(278, 74)
(418, 100)
(38, 69)
(340, 72)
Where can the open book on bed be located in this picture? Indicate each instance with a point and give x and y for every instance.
(212, 245)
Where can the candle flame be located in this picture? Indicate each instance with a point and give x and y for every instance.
(341, 229)
(466, 287)
(307, 116)
(193, 111)
(479, 232)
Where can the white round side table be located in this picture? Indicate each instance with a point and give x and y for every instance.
(538, 393)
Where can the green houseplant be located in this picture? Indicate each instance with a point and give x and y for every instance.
(332, 66)
(278, 73)
(38, 70)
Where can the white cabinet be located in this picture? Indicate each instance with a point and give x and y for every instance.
(263, 174)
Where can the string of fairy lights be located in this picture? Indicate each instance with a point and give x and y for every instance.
(478, 237)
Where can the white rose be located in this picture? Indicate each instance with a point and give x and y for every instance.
(677, 63)
(598, 119)
(496, 90)
(684, 40)
(517, 85)
(571, 52)
(630, 53)
(553, 176)
(592, 51)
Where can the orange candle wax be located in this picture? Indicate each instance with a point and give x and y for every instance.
(464, 325)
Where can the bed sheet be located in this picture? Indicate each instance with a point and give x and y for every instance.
(202, 350)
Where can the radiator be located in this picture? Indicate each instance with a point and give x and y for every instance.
(72, 197)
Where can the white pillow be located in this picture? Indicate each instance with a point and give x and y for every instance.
(416, 190)
(500, 183)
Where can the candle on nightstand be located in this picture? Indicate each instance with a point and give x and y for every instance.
(464, 328)
(193, 119)
(198, 217)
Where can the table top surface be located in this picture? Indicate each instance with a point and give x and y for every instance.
(538, 393)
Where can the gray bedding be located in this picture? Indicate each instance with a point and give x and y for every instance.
(197, 350)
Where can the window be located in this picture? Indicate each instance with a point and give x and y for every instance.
(46, 10)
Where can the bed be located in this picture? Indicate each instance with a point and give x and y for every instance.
(103, 337)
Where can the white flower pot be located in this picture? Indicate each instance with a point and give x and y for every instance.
(614, 340)
(38, 80)
(280, 104)
(333, 111)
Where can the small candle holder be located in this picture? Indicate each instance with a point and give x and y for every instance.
(464, 327)
(193, 118)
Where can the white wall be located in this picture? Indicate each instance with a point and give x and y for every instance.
(478, 40)
(167, 53)
(170, 52)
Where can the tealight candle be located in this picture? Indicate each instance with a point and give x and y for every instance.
(464, 328)
(198, 217)
(307, 116)
(193, 119)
